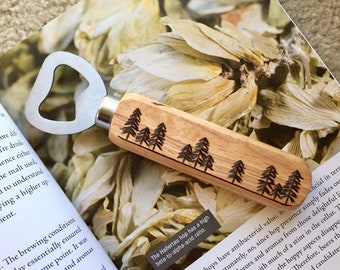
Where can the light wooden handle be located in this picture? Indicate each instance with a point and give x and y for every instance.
(209, 152)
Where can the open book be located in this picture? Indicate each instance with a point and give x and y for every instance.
(124, 211)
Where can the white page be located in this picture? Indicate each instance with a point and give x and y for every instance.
(39, 227)
(305, 238)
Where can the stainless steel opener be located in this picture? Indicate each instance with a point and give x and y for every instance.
(176, 139)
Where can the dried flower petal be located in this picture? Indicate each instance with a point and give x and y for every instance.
(294, 107)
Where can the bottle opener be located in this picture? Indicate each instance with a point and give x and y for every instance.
(176, 139)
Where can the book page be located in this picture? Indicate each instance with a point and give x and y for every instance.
(39, 227)
(305, 238)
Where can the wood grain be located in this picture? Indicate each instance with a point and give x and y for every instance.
(210, 152)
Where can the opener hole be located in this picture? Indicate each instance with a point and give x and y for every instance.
(59, 105)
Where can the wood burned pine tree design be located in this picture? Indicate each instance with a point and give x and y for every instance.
(237, 172)
(131, 125)
(197, 156)
(186, 153)
(291, 187)
(144, 136)
(266, 182)
(289, 191)
(158, 137)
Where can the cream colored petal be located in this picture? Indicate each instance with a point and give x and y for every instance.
(237, 105)
(204, 8)
(171, 176)
(135, 80)
(206, 197)
(333, 149)
(58, 147)
(333, 90)
(148, 186)
(59, 33)
(196, 39)
(233, 46)
(185, 216)
(295, 107)
(98, 182)
(125, 222)
(293, 146)
(101, 219)
(78, 168)
(230, 216)
(277, 17)
(135, 255)
(250, 18)
(163, 61)
(198, 96)
(174, 40)
(308, 144)
(91, 140)
(160, 216)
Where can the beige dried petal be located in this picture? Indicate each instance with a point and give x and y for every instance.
(293, 146)
(125, 222)
(112, 27)
(19, 92)
(333, 90)
(225, 198)
(59, 33)
(189, 201)
(156, 219)
(91, 140)
(57, 147)
(237, 105)
(333, 149)
(204, 8)
(135, 80)
(110, 244)
(101, 219)
(185, 216)
(277, 17)
(172, 176)
(308, 143)
(123, 187)
(164, 62)
(196, 97)
(197, 39)
(301, 109)
(97, 183)
(148, 186)
(60, 173)
(174, 40)
(78, 167)
(156, 233)
(135, 255)
(206, 197)
(230, 218)
(233, 46)
(250, 18)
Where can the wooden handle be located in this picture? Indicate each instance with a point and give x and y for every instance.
(209, 152)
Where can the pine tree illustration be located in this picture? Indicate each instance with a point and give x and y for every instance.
(276, 191)
(200, 152)
(237, 171)
(208, 163)
(131, 125)
(143, 136)
(158, 137)
(291, 187)
(186, 153)
(266, 182)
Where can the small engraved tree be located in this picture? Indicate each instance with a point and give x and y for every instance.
(237, 171)
(131, 125)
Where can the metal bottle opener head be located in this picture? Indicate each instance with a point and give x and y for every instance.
(87, 102)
